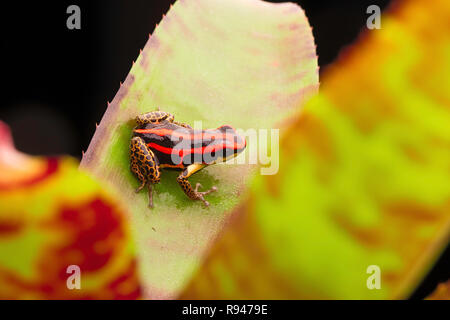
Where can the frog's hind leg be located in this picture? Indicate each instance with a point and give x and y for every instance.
(154, 117)
(158, 117)
(181, 124)
(187, 187)
(144, 165)
(171, 119)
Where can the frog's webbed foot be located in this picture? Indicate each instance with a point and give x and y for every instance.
(200, 195)
(192, 193)
(141, 186)
(150, 196)
(150, 192)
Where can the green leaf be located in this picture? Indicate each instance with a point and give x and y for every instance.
(246, 63)
(363, 180)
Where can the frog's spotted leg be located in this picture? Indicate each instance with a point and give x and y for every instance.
(184, 125)
(144, 165)
(158, 117)
(154, 117)
(186, 186)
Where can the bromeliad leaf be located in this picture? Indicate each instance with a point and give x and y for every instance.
(60, 230)
(245, 63)
(363, 189)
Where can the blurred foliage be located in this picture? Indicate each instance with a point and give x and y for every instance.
(248, 64)
(442, 292)
(363, 180)
(364, 177)
(53, 216)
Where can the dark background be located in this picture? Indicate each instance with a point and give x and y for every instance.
(58, 81)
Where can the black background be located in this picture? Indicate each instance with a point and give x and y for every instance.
(57, 81)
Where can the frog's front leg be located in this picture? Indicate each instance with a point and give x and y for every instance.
(186, 186)
(144, 165)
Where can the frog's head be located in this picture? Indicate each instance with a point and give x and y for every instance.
(232, 144)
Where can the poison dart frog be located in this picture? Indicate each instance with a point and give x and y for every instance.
(159, 142)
